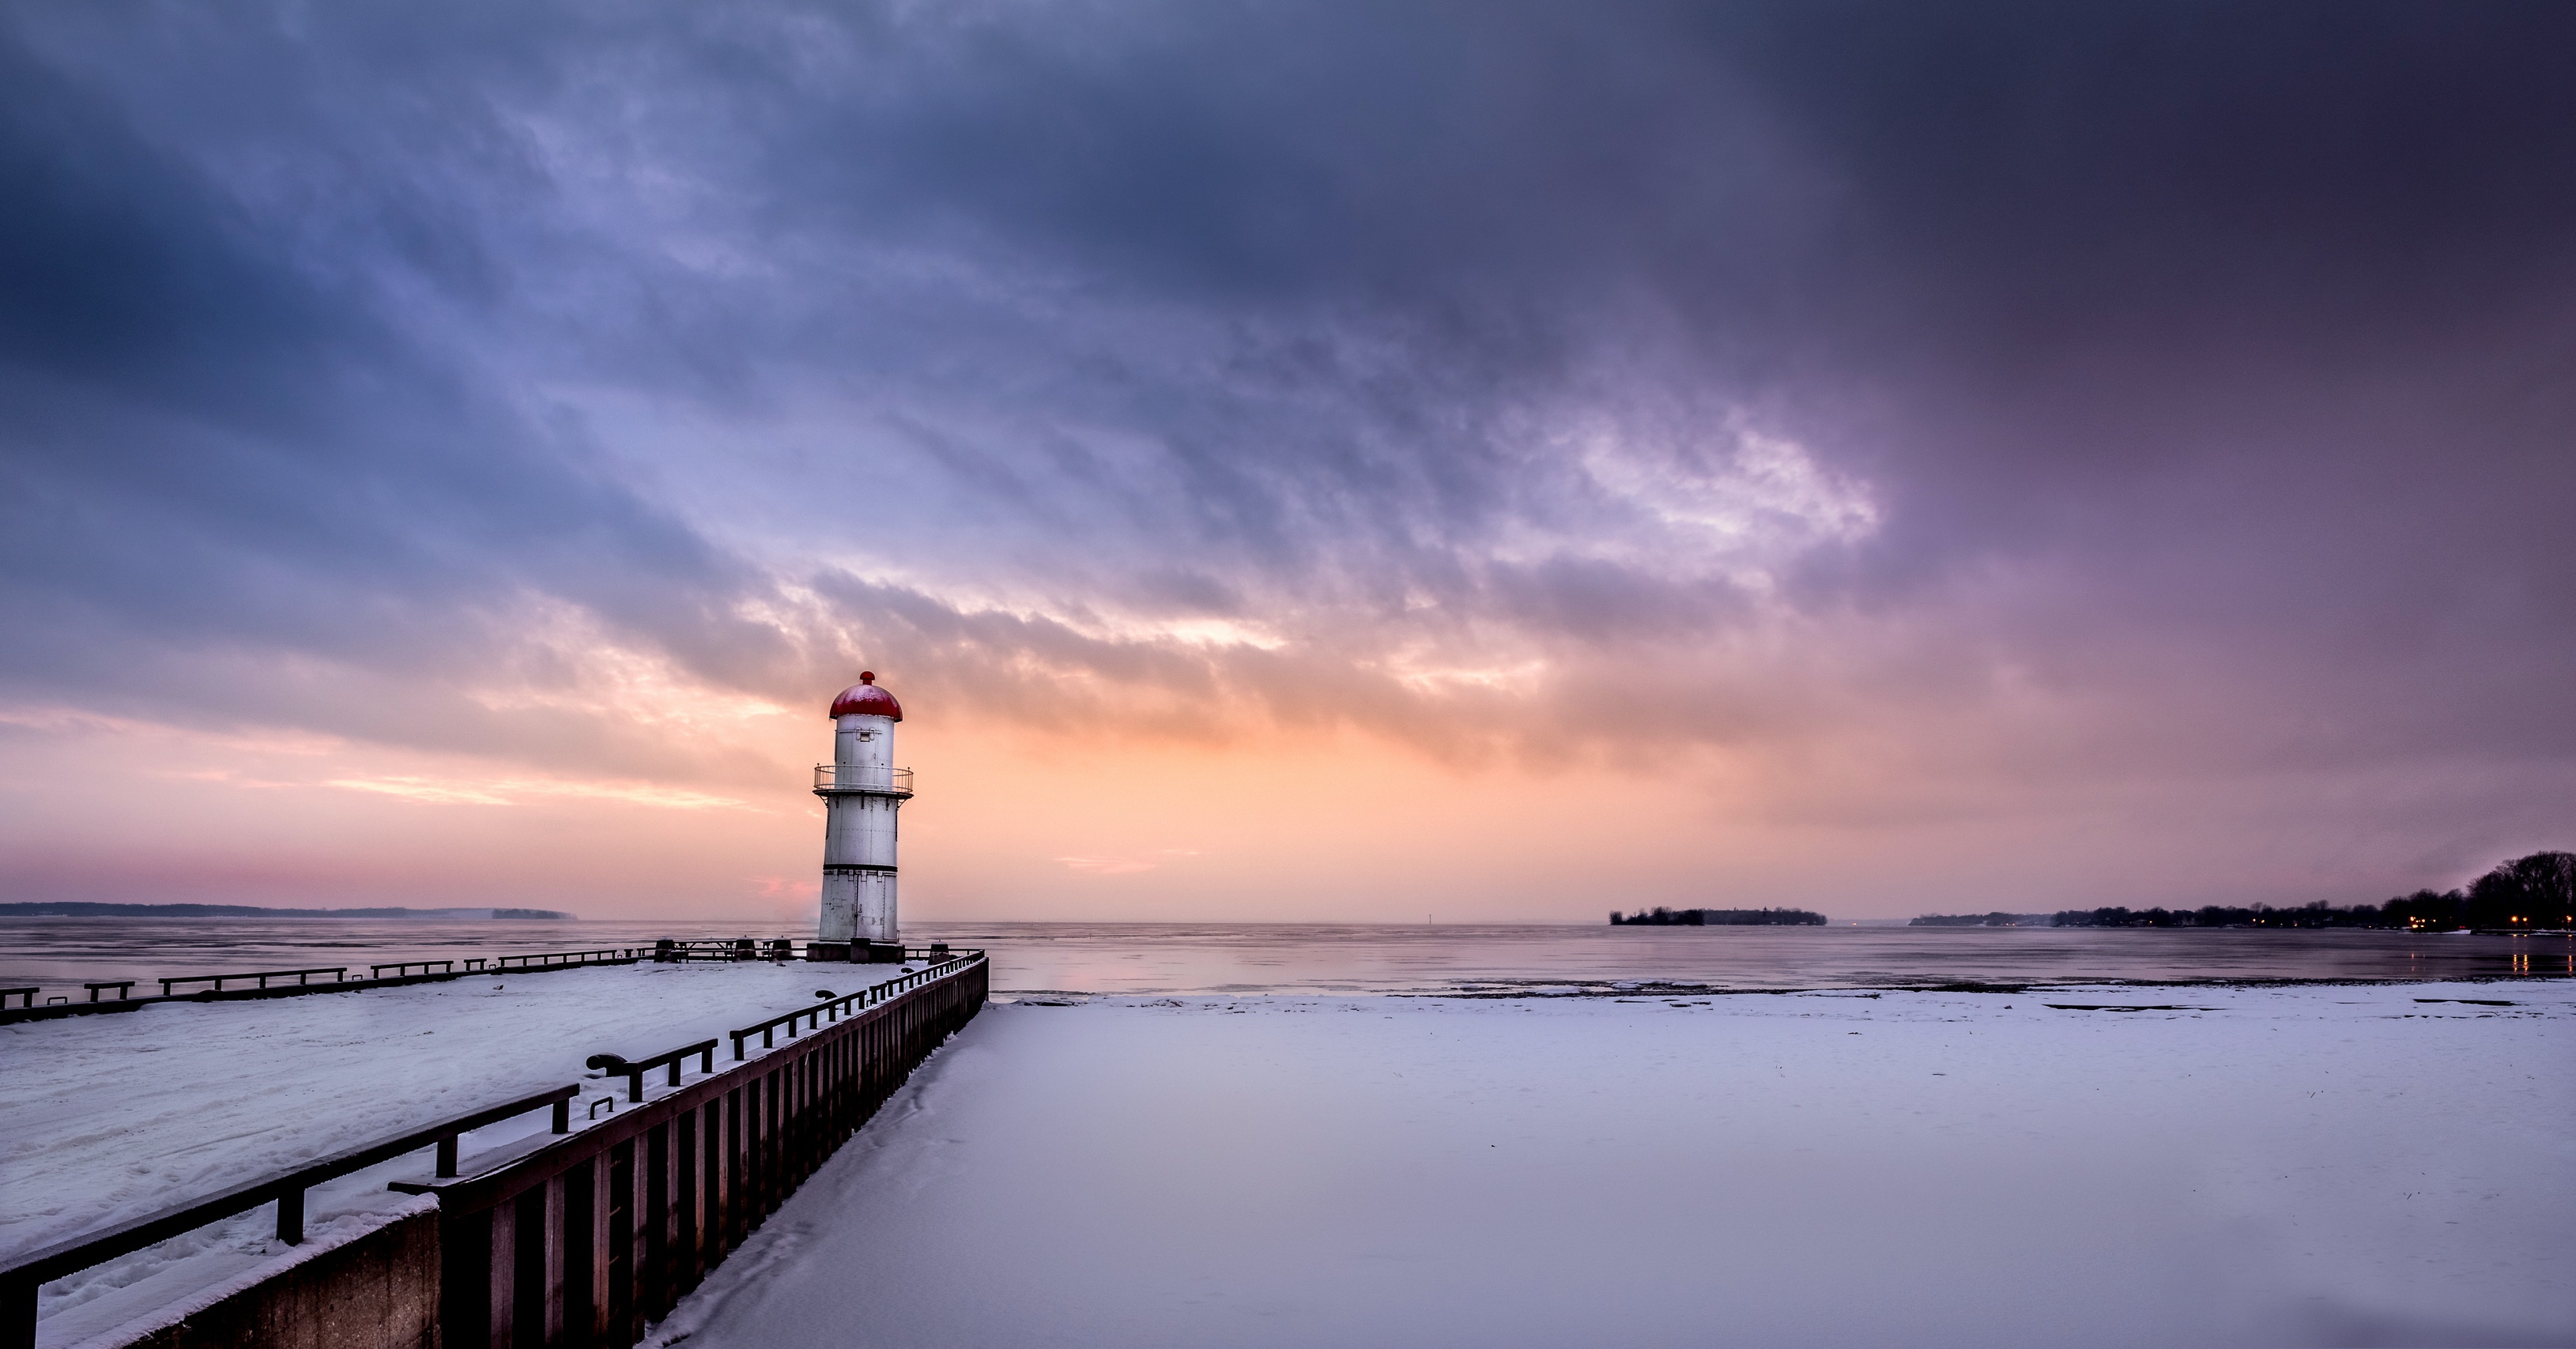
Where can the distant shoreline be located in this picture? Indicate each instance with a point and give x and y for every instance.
(76, 909)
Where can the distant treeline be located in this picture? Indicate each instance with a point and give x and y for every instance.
(2527, 894)
(71, 909)
(1659, 916)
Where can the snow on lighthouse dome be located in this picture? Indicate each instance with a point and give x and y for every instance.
(865, 699)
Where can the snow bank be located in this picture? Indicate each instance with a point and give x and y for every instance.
(107, 1118)
(2318, 1165)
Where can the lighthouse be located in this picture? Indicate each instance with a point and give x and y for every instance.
(861, 790)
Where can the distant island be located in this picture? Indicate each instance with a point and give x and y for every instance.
(1660, 916)
(2527, 894)
(81, 910)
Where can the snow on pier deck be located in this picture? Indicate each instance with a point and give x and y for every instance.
(2275, 1166)
(106, 1118)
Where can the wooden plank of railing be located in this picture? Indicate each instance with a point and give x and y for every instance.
(704, 1051)
(263, 976)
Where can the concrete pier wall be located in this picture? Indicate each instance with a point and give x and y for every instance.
(377, 1292)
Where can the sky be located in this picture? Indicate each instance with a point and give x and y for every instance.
(1358, 461)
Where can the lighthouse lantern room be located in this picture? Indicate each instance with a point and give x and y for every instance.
(861, 790)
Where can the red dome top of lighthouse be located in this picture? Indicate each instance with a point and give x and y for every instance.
(866, 699)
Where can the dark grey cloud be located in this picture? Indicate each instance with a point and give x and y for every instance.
(2210, 365)
(215, 445)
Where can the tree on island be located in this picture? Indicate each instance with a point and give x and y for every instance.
(1659, 916)
(2526, 894)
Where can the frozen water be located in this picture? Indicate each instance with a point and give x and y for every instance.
(2317, 1165)
(2325, 1164)
(62, 953)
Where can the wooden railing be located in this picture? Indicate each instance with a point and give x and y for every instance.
(586, 1241)
(403, 969)
(835, 1006)
(263, 976)
(633, 1070)
(556, 960)
(21, 1277)
(430, 971)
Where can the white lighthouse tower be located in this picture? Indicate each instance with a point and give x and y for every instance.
(861, 790)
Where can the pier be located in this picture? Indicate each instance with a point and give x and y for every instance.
(577, 1235)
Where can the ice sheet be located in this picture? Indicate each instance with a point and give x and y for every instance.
(2316, 1165)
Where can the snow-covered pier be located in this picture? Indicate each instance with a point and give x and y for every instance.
(111, 1118)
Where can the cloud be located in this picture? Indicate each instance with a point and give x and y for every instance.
(1122, 866)
(1104, 866)
(510, 791)
(2024, 398)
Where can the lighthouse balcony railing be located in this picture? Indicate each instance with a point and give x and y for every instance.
(828, 776)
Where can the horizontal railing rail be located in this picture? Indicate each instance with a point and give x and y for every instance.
(337, 973)
(537, 962)
(403, 968)
(633, 1071)
(549, 959)
(21, 1277)
(827, 778)
(836, 1006)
